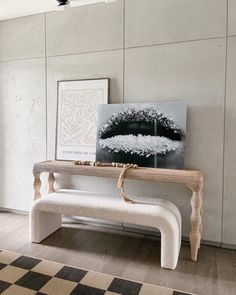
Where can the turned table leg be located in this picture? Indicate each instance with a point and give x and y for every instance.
(51, 180)
(201, 226)
(196, 223)
(37, 185)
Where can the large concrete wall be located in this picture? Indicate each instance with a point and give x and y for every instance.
(152, 50)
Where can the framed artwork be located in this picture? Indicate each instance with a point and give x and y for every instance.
(147, 134)
(77, 117)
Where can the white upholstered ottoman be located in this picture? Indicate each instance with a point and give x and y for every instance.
(46, 213)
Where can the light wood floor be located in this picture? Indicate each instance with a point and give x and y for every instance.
(126, 255)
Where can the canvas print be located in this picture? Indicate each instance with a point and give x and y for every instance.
(150, 135)
(77, 117)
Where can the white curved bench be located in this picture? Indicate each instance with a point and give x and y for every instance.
(45, 217)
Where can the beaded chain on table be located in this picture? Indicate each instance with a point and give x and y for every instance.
(121, 178)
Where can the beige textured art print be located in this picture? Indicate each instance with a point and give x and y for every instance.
(77, 118)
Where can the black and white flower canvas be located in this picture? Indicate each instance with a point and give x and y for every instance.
(147, 134)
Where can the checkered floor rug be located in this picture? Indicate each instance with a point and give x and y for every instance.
(24, 275)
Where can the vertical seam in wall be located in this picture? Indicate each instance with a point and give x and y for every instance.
(46, 81)
(224, 126)
(124, 51)
(123, 66)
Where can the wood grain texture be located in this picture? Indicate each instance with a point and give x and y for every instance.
(51, 180)
(125, 254)
(37, 185)
(193, 179)
(196, 224)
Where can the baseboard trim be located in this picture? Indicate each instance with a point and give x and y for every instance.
(91, 221)
(7, 210)
(229, 246)
(126, 228)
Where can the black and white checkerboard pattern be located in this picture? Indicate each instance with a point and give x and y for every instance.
(23, 275)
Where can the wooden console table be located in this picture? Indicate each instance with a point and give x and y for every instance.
(193, 179)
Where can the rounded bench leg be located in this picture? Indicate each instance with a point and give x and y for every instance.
(43, 224)
(170, 247)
